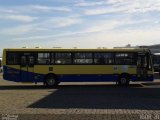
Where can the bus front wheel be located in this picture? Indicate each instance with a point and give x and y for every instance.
(51, 81)
(123, 80)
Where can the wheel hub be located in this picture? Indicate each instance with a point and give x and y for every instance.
(123, 80)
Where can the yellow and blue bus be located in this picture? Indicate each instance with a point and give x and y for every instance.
(52, 66)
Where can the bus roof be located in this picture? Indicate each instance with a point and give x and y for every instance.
(76, 49)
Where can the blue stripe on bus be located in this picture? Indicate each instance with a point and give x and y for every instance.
(88, 78)
(20, 76)
(97, 78)
(12, 74)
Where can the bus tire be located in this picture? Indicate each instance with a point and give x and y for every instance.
(123, 80)
(51, 81)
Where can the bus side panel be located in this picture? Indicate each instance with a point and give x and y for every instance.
(76, 73)
(12, 73)
(39, 77)
(87, 78)
(88, 73)
(27, 76)
(134, 78)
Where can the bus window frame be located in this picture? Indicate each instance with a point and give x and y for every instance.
(35, 54)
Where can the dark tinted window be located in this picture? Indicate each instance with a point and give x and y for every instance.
(31, 61)
(125, 58)
(13, 58)
(43, 58)
(52, 58)
(63, 58)
(83, 58)
(103, 58)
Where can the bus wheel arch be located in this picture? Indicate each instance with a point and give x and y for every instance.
(51, 79)
(124, 79)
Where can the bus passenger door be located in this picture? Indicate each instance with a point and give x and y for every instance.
(142, 67)
(27, 68)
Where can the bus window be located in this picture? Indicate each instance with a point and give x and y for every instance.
(144, 62)
(52, 58)
(23, 61)
(103, 58)
(125, 58)
(43, 58)
(149, 61)
(83, 58)
(63, 58)
(12, 58)
(31, 61)
(156, 62)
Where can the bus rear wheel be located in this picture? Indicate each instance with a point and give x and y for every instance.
(51, 81)
(123, 80)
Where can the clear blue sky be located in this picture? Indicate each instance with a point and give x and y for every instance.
(80, 23)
